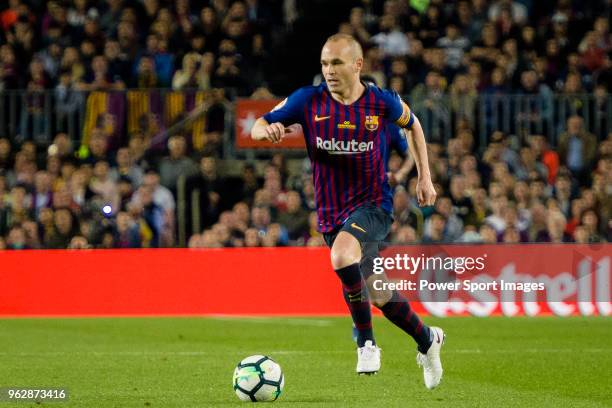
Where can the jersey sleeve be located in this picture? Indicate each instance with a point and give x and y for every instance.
(398, 111)
(291, 109)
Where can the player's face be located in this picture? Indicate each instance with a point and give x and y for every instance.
(340, 66)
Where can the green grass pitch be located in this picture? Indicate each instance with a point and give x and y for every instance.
(188, 362)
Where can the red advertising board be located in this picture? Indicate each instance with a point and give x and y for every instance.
(297, 281)
(247, 112)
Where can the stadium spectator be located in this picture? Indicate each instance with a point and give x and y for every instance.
(43, 196)
(479, 209)
(487, 234)
(590, 221)
(195, 73)
(242, 215)
(61, 147)
(516, 10)
(453, 224)
(577, 148)
(431, 96)
(208, 185)
(146, 75)
(97, 148)
(260, 219)
(578, 206)
(137, 147)
(357, 21)
(454, 45)
(79, 187)
(164, 203)
(563, 194)
(250, 183)
(124, 167)
(177, 163)
(149, 217)
(63, 230)
(99, 78)
(79, 242)
(592, 52)
(430, 26)
(103, 185)
(9, 16)
(435, 234)
(15, 210)
(251, 238)
(16, 238)
(404, 235)
(512, 220)
(463, 97)
(126, 233)
(294, 218)
(539, 146)
(228, 74)
(6, 159)
(372, 66)
(390, 39)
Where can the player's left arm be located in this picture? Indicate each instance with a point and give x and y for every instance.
(426, 193)
(400, 113)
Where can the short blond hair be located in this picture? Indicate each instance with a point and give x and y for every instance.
(351, 41)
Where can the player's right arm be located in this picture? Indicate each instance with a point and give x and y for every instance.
(272, 132)
(283, 118)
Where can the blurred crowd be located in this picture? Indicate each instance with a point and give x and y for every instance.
(516, 188)
(509, 194)
(470, 46)
(127, 199)
(463, 46)
(118, 44)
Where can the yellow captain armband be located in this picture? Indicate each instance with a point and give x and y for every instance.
(406, 119)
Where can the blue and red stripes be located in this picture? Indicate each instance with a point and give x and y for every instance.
(345, 180)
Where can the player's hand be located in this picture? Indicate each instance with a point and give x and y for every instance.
(275, 132)
(425, 191)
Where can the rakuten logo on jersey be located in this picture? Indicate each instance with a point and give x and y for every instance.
(334, 146)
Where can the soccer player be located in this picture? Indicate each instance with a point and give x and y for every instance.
(344, 122)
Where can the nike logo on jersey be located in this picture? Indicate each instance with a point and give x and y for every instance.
(320, 118)
(357, 227)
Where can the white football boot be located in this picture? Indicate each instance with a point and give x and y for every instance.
(368, 358)
(432, 367)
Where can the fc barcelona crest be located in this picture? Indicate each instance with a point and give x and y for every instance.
(371, 123)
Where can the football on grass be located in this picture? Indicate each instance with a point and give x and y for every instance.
(258, 378)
